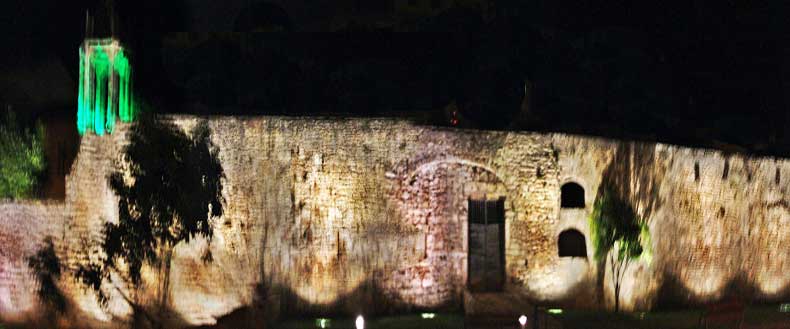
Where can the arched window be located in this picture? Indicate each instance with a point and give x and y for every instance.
(571, 244)
(572, 196)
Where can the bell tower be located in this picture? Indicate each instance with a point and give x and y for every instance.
(105, 93)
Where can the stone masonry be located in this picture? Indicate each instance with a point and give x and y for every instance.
(370, 215)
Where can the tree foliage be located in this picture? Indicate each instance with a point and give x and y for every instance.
(618, 234)
(168, 194)
(21, 158)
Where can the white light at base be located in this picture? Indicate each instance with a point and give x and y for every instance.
(360, 322)
(428, 315)
(322, 322)
(555, 311)
(522, 320)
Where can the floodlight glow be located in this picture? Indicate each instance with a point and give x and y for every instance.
(784, 308)
(360, 322)
(322, 323)
(428, 315)
(522, 320)
(554, 311)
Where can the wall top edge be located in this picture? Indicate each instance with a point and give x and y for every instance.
(408, 122)
(32, 202)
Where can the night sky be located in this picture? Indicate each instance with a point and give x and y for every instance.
(700, 73)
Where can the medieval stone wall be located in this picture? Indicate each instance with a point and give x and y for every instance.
(719, 222)
(370, 215)
(23, 228)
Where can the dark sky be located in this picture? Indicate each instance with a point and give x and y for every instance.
(692, 72)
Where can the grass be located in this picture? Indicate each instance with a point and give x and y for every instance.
(648, 320)
(441, 321)
(757, 316)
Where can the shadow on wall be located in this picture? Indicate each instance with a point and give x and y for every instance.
(282, 302)
(634, 173)
(59, 309)
(634, 176)
(368, 298)
(268, 305)
(674, 294)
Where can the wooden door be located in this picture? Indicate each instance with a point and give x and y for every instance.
(486, 258)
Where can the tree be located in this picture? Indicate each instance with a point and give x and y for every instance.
(21, 158)
(170, 192)
(47, 269)
(618, 234)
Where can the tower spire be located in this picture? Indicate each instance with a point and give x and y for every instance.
(101, 21)
(112, 18)
(87, 22)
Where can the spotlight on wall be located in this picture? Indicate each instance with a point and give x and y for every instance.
(323, 323)
(522, 320)
(428, 315)
(554, 311)
(360, 322)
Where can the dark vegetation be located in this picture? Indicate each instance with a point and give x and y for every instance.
(46, 267)
(756, 316)
(22, 160)
(172, 191)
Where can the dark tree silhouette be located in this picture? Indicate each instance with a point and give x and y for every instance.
(47, 269)
(172, 189)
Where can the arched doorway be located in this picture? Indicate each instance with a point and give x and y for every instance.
(435, 198)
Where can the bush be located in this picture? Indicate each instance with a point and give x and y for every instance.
(21, 158)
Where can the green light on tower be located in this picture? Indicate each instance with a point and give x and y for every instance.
(83, 113)
(101, 65)
(124, 71)
(105, 87)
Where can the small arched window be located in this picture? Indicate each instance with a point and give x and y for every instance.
(572, 196)
(571, 244)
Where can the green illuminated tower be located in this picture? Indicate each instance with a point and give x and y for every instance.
(105, 93)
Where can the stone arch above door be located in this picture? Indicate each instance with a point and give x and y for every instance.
(434, 198)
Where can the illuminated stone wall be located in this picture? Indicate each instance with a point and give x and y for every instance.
(369, 215)
(722, 231)
(23, 227)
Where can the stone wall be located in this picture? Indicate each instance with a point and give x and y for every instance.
(23, 228)
(723, 230)
(369, 215)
